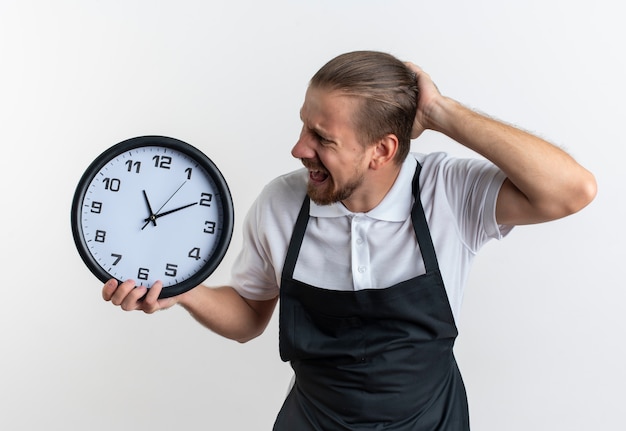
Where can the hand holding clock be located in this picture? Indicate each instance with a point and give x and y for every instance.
(154, 272)
(220, 309)
(128, 296)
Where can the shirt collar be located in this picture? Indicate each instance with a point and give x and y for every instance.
(395, 206)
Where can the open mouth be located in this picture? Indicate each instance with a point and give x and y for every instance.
(317, 173)
(317, 177)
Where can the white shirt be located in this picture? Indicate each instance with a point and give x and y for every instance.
(342, 250)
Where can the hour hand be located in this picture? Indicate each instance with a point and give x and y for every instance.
(152, 218)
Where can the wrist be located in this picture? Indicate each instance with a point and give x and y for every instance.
(442, 114)
(188, 298)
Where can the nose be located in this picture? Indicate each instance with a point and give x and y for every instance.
(303, 149)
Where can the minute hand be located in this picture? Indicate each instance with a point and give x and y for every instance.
(156, 216)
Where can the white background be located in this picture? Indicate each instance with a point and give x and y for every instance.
(542, 329)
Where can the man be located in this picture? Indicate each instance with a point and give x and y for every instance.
(369, 247)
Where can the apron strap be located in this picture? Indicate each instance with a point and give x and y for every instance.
(420, 225)
(296, 239)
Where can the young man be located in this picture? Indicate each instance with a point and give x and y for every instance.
(369, 247)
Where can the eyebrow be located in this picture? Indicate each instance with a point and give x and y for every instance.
(318, 131)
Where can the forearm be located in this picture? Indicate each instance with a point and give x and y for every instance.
(545, 182)
(225, 312)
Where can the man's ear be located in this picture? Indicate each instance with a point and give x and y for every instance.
(384, 151)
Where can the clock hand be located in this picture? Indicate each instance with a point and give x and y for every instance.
(156, 216)
(168, 199)
(152, 217)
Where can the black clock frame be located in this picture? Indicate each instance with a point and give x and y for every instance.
(198, 156)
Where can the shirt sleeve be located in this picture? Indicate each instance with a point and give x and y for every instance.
(253, 275)
(472, 187)
(267, 230)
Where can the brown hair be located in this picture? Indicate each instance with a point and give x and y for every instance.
(387, 88)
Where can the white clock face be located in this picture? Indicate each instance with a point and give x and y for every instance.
(152, 213)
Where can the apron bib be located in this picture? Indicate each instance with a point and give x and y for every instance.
(374, 359)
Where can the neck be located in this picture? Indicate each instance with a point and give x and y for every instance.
(373, 190)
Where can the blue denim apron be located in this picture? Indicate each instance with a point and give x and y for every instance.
(374, 359)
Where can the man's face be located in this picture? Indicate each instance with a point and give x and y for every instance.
(328, 146)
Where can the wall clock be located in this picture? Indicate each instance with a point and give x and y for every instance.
(152, 208)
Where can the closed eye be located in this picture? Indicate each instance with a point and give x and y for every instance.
(321, 139)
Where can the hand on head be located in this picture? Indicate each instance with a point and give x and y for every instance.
(428, 94)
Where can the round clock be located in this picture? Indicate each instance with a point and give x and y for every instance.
(153, 208)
